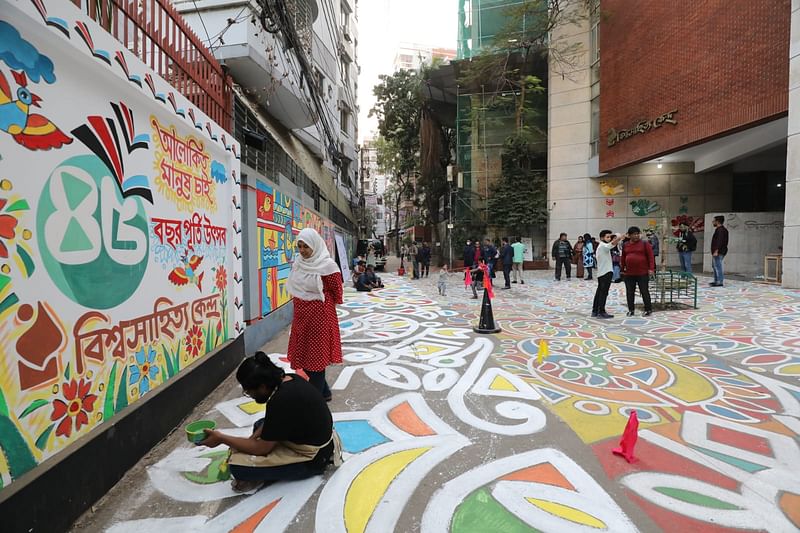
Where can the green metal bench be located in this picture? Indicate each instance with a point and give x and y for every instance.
(669, 287)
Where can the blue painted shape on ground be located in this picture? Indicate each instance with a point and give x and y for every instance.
(747, 466)
(726, 413)
(358, 435)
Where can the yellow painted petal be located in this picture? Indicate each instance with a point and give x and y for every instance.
(251, 407)
(501, 383)
(789, 370)
(689, 386)
(371, 484)
(568, 513)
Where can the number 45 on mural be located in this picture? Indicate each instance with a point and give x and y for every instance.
(32, 131)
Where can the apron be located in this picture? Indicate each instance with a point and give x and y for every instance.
(287, 453)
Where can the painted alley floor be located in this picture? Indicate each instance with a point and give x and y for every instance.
(447, 430)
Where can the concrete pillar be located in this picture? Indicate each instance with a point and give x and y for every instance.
(791, 231)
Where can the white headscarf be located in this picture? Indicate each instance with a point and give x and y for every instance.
(305, 280)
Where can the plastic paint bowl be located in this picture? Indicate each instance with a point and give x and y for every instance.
(195, 430)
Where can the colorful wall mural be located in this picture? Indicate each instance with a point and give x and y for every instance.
(118, 221)
(280, 218)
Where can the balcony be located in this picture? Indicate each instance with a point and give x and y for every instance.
(256, 59)
(157, 34)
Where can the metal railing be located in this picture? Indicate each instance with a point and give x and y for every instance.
(159, 36)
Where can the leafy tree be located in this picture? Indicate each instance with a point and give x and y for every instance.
(519, 200)
(390, 162)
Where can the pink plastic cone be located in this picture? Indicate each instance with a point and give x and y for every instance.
(629, 436)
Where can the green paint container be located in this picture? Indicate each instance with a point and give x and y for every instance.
(195, 430)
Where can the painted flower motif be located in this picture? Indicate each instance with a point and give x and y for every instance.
(221, 278)
(77, 405)
(194, 341)
(144, 371)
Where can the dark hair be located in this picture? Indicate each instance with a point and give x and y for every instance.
(634, 229)
(587, 237)
(562, 235)
(259, 370)
(505, 239)
(720, 219)
(605, 232)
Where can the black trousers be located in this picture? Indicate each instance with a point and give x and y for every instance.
(507, 274)
(644, 288)
(563, 261)
(601, 294)
(320, 383)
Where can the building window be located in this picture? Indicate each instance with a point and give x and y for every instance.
(595, 125)
(344, 120)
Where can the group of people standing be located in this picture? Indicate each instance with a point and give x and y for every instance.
(420, 256)
(510, 255)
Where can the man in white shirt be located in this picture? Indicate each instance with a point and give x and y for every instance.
(604, 272)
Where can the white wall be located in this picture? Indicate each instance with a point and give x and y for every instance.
(791, 232)
(751, 236)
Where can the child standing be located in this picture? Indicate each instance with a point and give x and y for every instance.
(442, 283)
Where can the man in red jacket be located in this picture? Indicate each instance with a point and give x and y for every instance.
(637, 263)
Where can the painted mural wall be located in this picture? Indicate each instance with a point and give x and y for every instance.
(280, 218)
(118, 221)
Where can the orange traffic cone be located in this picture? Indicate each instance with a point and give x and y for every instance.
(629, 437)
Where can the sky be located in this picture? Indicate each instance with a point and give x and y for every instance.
(382, 26)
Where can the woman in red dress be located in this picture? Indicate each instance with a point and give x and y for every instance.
(316, 286)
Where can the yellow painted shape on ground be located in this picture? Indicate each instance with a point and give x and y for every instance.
(397, 324)
(251, 407)
(789, 370)
(501, 383)
(689, 386)
(568, 513)
(428, 349)
(371, 484)
(594, 428)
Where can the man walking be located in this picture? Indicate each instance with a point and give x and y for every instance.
(425, 256)
(507, 255)
(469, 254)
(413, 253)
(489, 255)
(519, 257)
(686, 246)
(719, 248)
(608, 241)
(562, 253)
(637, 264)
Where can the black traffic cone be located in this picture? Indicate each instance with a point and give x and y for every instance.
(486, 323)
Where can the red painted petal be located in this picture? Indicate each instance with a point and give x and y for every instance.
(3, 250)
(70, 390)
(64, 429)
(7, 226)
(88, 402)
(84, 388)
(59, 410)
(81, 420)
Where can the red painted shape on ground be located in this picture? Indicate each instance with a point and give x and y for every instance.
(652, 458)
(249, 525)
(404, 417)
(738, 439)
(542, 473)
(669, 521)
(790, 504)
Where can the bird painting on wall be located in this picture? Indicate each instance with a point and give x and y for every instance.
(187, 273)
(32, 131)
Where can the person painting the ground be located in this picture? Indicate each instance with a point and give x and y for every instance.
(315, 283)
(608, 241)
(637, 263)
(295, 439)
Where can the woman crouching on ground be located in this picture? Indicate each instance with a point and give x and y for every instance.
(315, 282)
(295, 439)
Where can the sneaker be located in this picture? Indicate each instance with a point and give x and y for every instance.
(505, 287)
(241, 486)
(522, 282)
(568, 278)
(513, 282)
(605, 315)
(594, 315)
(714, 284)
(647, 313)
(629, 313)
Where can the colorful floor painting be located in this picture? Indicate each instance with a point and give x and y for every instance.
(447, 430)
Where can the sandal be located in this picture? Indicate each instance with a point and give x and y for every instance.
(241, 486)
